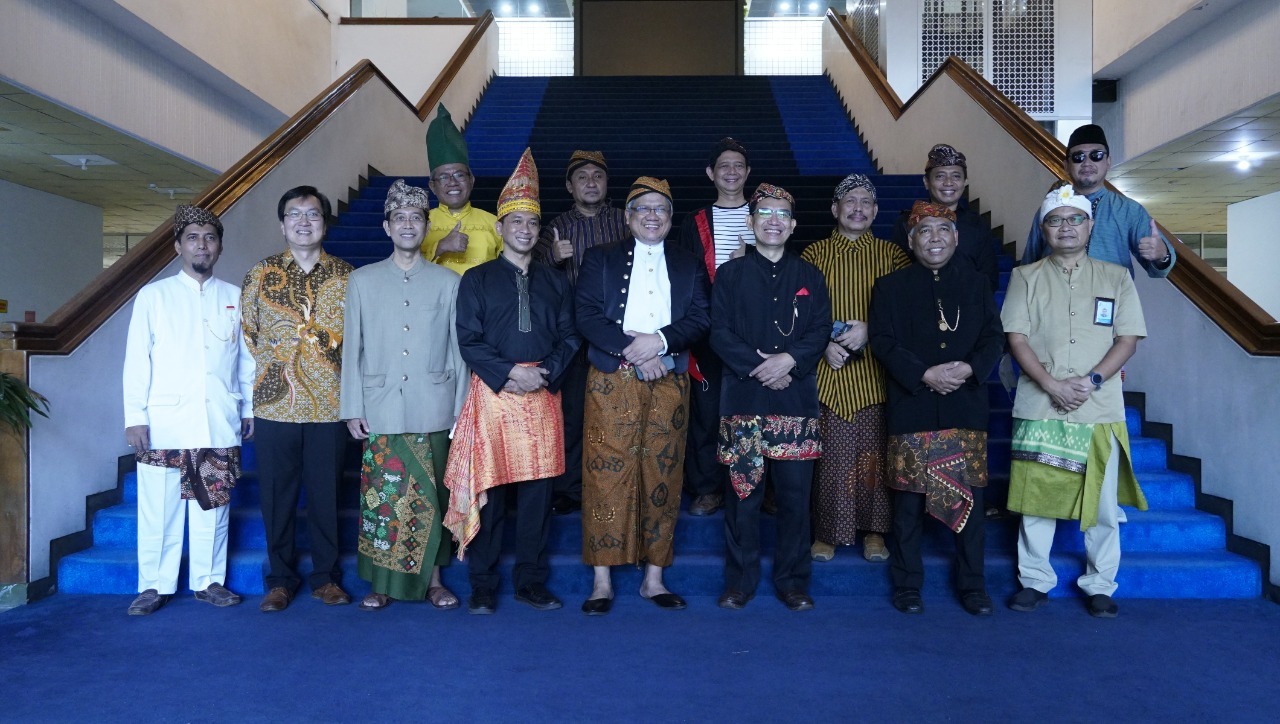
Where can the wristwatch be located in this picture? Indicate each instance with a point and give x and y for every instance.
(1096, 380)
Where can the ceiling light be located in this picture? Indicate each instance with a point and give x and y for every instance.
(1243, 164)
(784, 6)
(505, 8)
(813, 7)
(83, 160)
(534, 8)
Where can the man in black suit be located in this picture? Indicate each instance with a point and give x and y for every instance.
(641, 304)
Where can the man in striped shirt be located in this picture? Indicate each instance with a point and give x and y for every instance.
(849, 491)
(591, 222)
(714, 234)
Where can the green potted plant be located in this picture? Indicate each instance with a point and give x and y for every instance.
(17, 402)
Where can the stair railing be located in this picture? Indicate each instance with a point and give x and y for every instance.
(1012, 159)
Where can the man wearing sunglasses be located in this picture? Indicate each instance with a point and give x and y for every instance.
(1121, 226)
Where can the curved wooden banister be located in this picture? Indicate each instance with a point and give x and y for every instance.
(1229, 308)
(454, 66)
(75, 320)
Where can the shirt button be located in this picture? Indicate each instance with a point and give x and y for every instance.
(405, 353)
(406, 280)
(406, 328)
(943, 345)
(1073, 286)
(651, 291)
(622, 305)
(406, 302)
(775, 299)
(404, 378)
(1073, 314)
(1073, 341)
(626, 276)
(623, 290)
(1072, 370)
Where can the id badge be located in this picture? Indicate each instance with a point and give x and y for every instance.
(1103, 311)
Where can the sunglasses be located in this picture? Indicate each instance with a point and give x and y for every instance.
(1095, 156)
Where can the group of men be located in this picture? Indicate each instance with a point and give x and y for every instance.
(495, 365)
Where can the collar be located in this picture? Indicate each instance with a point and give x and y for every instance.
(659, 248)
(605, 205)
(466, 208)
(418, 265)
(288, 259)
(513, 268)
(865, 238)
(191, 282)
(1061, 267)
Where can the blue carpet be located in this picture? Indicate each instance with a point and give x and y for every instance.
(79, 658)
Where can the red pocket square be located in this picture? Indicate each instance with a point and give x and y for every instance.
(804, 292)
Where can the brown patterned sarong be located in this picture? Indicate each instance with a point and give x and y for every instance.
(746, 440)
(849, 493)
(632, 466)
(207, 474)
(500, 438)
(943, 466)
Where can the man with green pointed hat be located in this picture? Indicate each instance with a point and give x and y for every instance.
(460, 236)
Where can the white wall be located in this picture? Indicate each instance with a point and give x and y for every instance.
(409, 55)
(1226, 65)
(1119, 27)
(1221, 402)
(61, 51)
(372, 128)
(1253, 266)
(50, 248)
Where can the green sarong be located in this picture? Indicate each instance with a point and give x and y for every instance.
(402, 508)
(1058, 467)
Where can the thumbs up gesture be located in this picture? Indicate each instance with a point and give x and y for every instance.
(561, 249)
(1151, 247)
(453, 242)
(742, 248)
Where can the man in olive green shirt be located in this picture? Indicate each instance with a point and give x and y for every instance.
(1072, 322)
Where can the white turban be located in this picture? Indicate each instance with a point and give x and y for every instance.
(1065, 196)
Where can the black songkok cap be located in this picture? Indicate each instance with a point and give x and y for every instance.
(1088, 134)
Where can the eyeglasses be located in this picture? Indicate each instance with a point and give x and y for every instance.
(862, 202)
(459, 176)
(1095, 155)
(309, 215)
(658, 211)
(1072, 220)
(766, 214)
(407, 218)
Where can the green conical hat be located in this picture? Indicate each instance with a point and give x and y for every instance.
(445, 143)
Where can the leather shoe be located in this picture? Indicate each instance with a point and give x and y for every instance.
(1028, 599)
(907, 600)
(564, 505)
(277, 599)
(796, 600)
(669, 601)
(147, 603)
(482, 603)
(537, 595)
(331, 594)
(706, 504)
(218, 595)
(597, 606)
(733, 600)
(1101, 606)
(976, 602)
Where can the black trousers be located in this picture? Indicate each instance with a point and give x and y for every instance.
(532, 501)
(703, 474)
(792, 565)
(573, 394)
(293, 455)
(906, 566)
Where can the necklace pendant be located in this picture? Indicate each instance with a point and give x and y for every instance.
(942, 327)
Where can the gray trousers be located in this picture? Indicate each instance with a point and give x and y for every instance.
(1101, 542)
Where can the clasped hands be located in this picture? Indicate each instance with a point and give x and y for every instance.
(775, 371)
(851, 340)
(947, 377)
(1069, 394)
(645, 354)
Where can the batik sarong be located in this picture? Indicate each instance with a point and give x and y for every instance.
(206, 475)
(944, 466)
(746, 440)
(1058, 467)
(849, 493)
(632, 466)
(401, 511)
(500, 438)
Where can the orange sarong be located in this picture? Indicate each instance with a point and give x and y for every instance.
(500, 438)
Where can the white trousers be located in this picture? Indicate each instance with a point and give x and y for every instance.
(162, 514)
(1101, 542)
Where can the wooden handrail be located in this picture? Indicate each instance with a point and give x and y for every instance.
(75, 320)
(454, 66)
(1229, 308)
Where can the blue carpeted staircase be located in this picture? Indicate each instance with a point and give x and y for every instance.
(800, 138)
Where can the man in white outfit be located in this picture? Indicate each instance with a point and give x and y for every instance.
(188, 401)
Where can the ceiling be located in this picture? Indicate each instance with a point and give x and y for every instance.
(34, 130)
(1186, 184)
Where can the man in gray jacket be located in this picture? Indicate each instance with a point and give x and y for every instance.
(403, 383)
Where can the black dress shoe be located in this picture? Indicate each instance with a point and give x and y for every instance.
(733, 600)
(537, 595)
(668, 600)
(796, 600)
(597, 606)
(976, 602)
(706, 504)
(907, 600)
(482, 602)
(1028, 599)
(1101, 606)
(564, 505)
